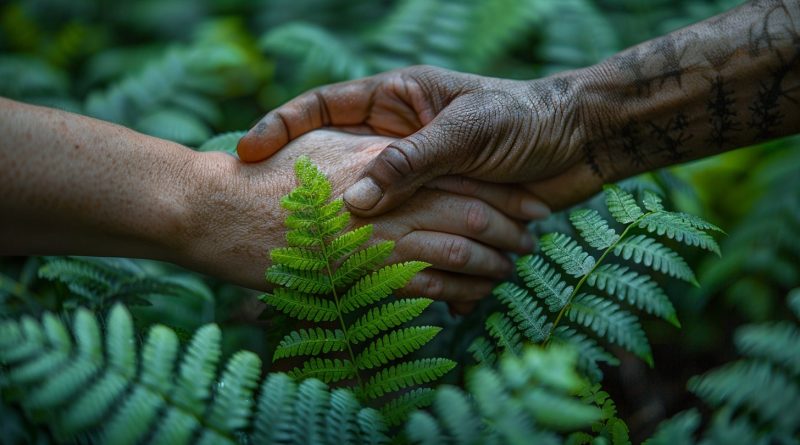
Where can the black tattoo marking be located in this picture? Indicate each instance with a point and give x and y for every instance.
(671, 68)
(632, 63)
(759, 34)
(765, 109)
(632, 142)
(672, 136)
(722, 113)
(591, 158)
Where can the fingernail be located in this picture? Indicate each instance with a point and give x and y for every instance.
(363, 195)
(534, 209)
(526, 243)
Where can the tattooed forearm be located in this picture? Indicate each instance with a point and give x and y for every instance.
(724, 83)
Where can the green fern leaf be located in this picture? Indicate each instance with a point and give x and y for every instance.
(456, 415)
(423, 429)
(387, 316)
(505, 333)
(198, 369)
(327, 370)
(608, 320)
(361, 263)
(397, 410)
(676, 227)
(697, 222)
(347, 243)
(483, 351)
(380, 284)
(590, 354)
(275, 410)
(310, 342)
(621, 204)
(528, 316)
(223, 142)
(652, 202)
(778, 343)
(545, 282)
(341, 424)
(637, 290)
(679, 429)
(233, 400)
(303, 281)
(395, 344)
(407, 374)
(298, 258)
(651, 253)
(593, 228)
(567, 253)
(301, 306)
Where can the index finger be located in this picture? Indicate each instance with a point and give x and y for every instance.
(346, 103)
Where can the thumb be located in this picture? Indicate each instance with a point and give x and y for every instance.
(398, 171)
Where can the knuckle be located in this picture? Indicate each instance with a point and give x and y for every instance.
(457, 252)
(431, 286)
(398, 158)
(477, 214)
(467, 186)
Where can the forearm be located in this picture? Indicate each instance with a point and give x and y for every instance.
(728, 82)
(72, 184)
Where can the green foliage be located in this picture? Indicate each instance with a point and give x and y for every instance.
(754, 398)
(96, 386)
(323, 277)
(525, 400)
(101, 281)
(554, 307)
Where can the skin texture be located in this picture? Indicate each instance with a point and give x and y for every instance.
(724, 83)
(76, 185)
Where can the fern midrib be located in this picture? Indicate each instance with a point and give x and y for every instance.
(597, 264)
(342, 324)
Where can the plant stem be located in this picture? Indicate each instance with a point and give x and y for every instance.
(583, 279)
(341, 319)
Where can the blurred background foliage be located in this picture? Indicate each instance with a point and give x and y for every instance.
(187, 71)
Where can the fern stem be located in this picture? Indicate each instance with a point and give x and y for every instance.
(342, 324)
(583, 279)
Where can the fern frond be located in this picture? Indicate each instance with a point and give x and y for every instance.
(545, 281)
(652, 202)
(301, 306)
(406, 374)
(397, 410)
(775, 342)
(361, 263)
(645, 250)
(679, 429)
(506, 335)
(637, 290)
(590, 354)
(483, 351)
(608, 320)
(310, 342)
(328, 276)
(567, 253)
(222, 142)
(234, 395)
(676, 227)
(593, 228)
(528, 316)
(299, 280)
(326, 370)
(386, 317)
(395, 344)
(380, 284)
(621, 204)
(298, 258)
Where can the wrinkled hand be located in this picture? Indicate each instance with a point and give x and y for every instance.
(489, 129)
(458, 225)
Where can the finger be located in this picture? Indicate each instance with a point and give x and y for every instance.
(405, 165)
(344, 103)
(453, 253)
(511, 199)
(471, 218)
(447, 286)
